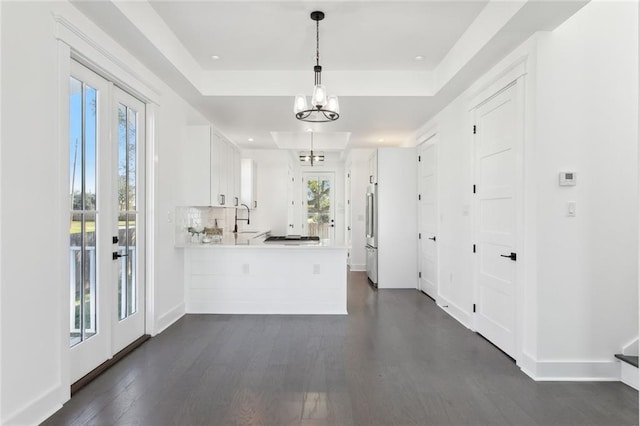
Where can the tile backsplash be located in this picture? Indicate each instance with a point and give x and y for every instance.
(201, 217)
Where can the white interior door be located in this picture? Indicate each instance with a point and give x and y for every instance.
(497, 140)
(106, 177)
(428, 216)
(129, 154)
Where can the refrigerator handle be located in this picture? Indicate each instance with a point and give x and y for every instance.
(366, 224)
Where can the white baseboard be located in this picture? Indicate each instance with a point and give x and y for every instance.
(528, 365)
(455, 311)
(358, 268)
(629, 375)
(570, 371)
(36, 411)
(168, 318)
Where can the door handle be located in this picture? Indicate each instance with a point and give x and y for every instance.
(432, 238)
(511, 256)
(115, 255)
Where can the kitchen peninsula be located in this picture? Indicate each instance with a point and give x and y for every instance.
(243, 274)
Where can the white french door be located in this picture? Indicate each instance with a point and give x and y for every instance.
(106, 233)
(130, 128)
(319, 200)
(497, 142)
(428, 216)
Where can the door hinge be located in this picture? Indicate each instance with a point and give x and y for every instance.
(419, 197)
(419, 159)
(474, 189)
(419, 274)
(474, 248)
(419, 235)
(474, 129)
(474, 307)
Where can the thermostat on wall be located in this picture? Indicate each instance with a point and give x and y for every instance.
(568, 178)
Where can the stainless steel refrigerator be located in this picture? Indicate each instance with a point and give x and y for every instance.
(391, 218)
(372, 233)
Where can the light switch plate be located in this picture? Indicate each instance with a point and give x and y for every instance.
(571, 208)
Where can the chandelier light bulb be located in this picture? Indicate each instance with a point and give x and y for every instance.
(332, 104)
(300, 104)
(319, 97)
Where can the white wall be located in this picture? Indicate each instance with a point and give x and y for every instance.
(359, 161)
(580, 274)
(587, 110)
(31, 263)
(33, 226)
(273, 166)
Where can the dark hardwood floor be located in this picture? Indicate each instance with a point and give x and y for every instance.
(396, 359)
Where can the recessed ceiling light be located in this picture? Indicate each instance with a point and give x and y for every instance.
(215, 57)
(381, 140)
(250, 139)
(419, 58)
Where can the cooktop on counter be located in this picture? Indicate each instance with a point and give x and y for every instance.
(291, 238)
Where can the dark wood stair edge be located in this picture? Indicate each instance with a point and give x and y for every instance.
(87, 378)
(629, 359)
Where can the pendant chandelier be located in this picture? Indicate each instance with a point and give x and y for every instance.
(323, 108)
(307, 158)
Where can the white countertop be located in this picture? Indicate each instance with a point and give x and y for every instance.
(256, 240)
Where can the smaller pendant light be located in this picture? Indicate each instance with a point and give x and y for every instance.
(307, 158)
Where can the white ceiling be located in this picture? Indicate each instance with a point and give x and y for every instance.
(367, 50)
(353, 35)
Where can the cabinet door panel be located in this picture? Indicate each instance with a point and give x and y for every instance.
(218, 186)
(197, 166)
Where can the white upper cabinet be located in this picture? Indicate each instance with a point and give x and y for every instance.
(211, 173)
(249, 183)
(237, 170)
(197, 166)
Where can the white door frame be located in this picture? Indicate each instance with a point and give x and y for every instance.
(515, 77)
(74, 43)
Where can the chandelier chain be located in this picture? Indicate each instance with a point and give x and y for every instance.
(317, 42)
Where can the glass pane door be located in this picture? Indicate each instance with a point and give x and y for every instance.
(319, 205)
(83, 137)
(106, 232)
(129, 126)
(89, 221)
(127, 212)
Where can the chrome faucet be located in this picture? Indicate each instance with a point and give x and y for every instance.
(235, 226)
